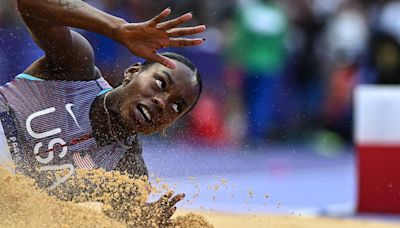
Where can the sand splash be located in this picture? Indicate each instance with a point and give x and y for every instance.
(122, 201)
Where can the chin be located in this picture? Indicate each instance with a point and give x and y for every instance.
(145, 132)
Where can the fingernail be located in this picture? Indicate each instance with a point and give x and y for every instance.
(183, 195)
(169, 7)
(191, 12)
(204, 39)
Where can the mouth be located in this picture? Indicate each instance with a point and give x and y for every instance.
(144, 113)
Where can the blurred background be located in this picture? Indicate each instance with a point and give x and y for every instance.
(276, 112)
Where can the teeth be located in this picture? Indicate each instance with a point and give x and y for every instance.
(146, 113)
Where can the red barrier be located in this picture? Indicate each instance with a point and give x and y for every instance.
(377, 139)
(379, 179)
(207, 121)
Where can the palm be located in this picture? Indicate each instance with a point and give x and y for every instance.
(144, 39)
(162, 210)
(148, 41)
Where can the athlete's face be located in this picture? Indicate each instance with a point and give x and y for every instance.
(154, 97)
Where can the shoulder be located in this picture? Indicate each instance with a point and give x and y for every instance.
(3, 103)
(79, 67)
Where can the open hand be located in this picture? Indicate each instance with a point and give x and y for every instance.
(144, 39)
(163, 209)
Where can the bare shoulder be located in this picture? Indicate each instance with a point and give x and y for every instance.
(76, 65)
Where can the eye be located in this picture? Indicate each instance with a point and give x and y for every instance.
(175, 107)
(160, 83)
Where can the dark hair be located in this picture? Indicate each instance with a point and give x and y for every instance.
(185, 61)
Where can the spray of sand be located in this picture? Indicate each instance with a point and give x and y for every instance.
(121, 200)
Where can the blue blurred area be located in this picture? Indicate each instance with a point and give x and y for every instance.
(273, 70)
(282, 179)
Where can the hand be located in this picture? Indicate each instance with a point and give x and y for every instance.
(144, 39)
(163, 209)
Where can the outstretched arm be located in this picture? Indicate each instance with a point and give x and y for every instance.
(49, 20)
(72, 13)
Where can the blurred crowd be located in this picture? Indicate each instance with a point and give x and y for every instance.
(273, 70)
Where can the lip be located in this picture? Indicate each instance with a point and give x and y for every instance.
(140, 116)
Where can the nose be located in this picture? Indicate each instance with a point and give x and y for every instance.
(160, 102)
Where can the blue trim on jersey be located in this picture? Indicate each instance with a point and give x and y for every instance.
(32, 78)
(104, 91)
(28, 77)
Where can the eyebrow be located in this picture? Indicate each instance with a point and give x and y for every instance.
(168, 76)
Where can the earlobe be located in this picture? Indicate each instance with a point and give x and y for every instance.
(127, 79)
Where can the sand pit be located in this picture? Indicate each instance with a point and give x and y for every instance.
(274, 221)
(23, 205)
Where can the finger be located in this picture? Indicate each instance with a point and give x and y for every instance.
(176, 199)
(182, 42)
(160, 17)
(169, 213)
(177, 32)
(169, 194)
(164, 61)
(169, 223)
(175, 22)
(165, 198)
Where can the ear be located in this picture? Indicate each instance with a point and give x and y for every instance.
(131, 71)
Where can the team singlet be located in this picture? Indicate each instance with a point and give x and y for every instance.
(45, 128)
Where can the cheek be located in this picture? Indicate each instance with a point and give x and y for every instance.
(127, 109)
(125, 115)
(124, 110)
(142, 88)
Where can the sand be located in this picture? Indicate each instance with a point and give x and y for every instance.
(22, 205)
(222, 220)
(92, 199)
(111, 203)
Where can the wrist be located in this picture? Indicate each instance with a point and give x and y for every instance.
(115, 27)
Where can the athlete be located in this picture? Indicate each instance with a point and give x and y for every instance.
(60, 114)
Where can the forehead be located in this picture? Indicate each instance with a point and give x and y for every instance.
(181, 71)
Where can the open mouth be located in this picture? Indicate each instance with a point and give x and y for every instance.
(144, 112)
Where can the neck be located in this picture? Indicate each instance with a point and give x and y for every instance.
(106, 127)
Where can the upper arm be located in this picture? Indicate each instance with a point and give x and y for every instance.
(68, 55)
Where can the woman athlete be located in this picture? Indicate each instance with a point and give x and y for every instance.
(60, 114)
